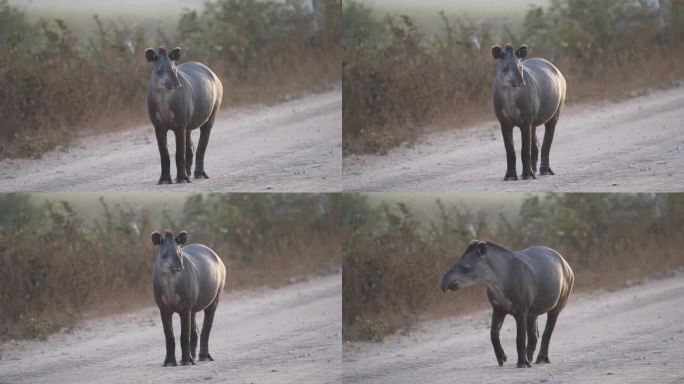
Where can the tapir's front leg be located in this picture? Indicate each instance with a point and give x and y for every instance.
(526, 151)
(165, 177)
(182, 176)
(186, 323)
(507, 133)
(521, 339)
(166, 318)
(497, 320)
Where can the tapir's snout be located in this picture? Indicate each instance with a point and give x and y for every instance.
(517, 83)
(171, 85)
(450, 283)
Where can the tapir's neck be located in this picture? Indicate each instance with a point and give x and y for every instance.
(499, 261)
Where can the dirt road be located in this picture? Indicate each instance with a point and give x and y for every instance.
(288, 335)
(635, 335)
(290, 147)
(632, 146)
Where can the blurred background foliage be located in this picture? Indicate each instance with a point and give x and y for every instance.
(400, 75)
(393, 262)
(57, 84)
(58, 263)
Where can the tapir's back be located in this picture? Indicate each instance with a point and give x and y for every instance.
(547, 84)
(552, 277)
(203, 91)
(210, 270)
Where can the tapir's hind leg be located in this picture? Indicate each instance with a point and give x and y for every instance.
(189, 149)
(193, 335)
(205, 130)
(206, 329)
(550, 128)
(532, 336)
(551, 317)
(535, 150)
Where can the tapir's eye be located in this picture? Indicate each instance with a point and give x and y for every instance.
(466, 268)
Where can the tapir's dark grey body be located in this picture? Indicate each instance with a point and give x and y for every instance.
(180, 99)
(523, 284)
(186, 279)
(527, 94)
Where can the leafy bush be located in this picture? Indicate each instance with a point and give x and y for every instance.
(393, 263)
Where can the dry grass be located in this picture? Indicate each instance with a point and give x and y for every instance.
(56, 86)
(399, 83)
(393, 264)
(58, 267)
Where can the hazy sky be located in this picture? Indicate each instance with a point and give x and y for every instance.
(454, 3)
(105, 6)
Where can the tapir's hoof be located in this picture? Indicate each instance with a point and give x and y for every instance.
(502, 360)
(164, 180)
(201, 175)
(546, 171)
(188, 361)
(205, 357)
(524, 365)
(170, 362)
(542, 359)
(510, 177)
(180, 180)
(528, 176)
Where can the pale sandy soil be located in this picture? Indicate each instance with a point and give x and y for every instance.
(286, 335)
(633, 146)
(290, 147)
(635, 335)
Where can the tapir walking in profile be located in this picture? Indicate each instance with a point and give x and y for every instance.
(186, 279)
(523, 284)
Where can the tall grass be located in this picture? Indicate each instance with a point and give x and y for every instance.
(393, 264)
(56, 266)
(396, 80)
(55, 86)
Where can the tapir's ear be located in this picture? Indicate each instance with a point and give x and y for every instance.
(521, 52)
(481, 248)
(156, 238)
(175, 54)
(150, 55)
(497, 52)
(182, 238)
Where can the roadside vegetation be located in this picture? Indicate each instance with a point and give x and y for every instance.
(399, 82)
(393, 263)
(56, 85)
(58, 266)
